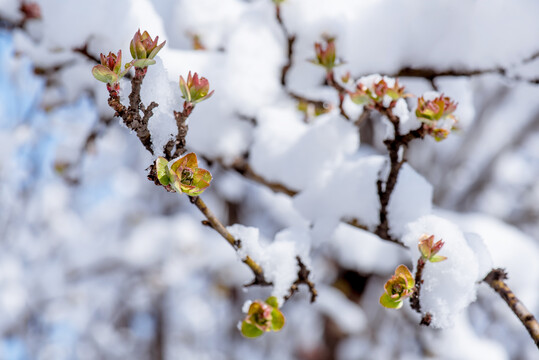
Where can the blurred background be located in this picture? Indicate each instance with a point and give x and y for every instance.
(96, 262)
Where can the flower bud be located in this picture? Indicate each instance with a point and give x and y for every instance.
(183, 175)
(399, 287)
(262, 317)
(375, 90)
(195, 89)
(109, 71)
(428, 248)
(325, 56)
(143, 49)
(437, 116)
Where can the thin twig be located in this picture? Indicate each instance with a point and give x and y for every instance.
(259, 279)
(235, 243)
(303, 278)
(290, 40)
(414, 300)
(243, 168)
(131, 115)
(385, 188)
(340, 90)
(180, 142)
(431, 73)
(495, 279)
(83, 50)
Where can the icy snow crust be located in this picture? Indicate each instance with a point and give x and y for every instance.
(91, 265)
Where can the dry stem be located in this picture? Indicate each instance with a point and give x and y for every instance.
(414, 300)
(495, 279)
(385, 189)
(236, 244)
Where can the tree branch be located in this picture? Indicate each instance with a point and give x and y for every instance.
(495, 279)
(431, 73)
(303, 278)
(236, 244)
(180, 142)
(414, 300)
(340, 90)
(385, 189)
(131, 115)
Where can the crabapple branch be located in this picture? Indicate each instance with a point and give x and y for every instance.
(495, 279)
(236, 244)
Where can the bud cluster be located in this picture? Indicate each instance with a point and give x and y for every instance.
(262, 316)
(143, 50)
(378, 92)
(429, 249)
(183, 175)
(437, 115)
(195, 89)
(326, 55)
(399, 287)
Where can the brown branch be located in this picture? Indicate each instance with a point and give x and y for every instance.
(303, 278)
(116, 105)
(340, 90)
(180, 142)
(131, 115)
(431, 73)
(235, 243)
(290, 39)
(243, 168)
(495, 279)
(414, 300)
(83, 50)
(385, 188)
(259, 279)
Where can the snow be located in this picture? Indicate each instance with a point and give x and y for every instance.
(252, 67)
(510, 249)
(460, 342)
(348, 316)
(156, 87)
(211, 26)
(304, 153)
(277, 259)
(449, 285)
(363, 251)
(335, 200)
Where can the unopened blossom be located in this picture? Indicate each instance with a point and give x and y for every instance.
(377, 93)
(325, 55)
(262, 316)
(195, 89)
(183, 175)
(144, 49)
(437, 116)
(110, 69)
(399, 287)
(429, 249)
